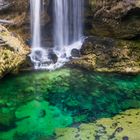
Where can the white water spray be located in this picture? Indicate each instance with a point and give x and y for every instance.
(38, 54)
(68, 27)
(68, 32)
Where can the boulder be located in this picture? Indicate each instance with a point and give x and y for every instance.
(52, 56)
(109, 55)
(13, 52)
(75, 53)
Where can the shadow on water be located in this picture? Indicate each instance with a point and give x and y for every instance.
(89, 96)
(44, 101)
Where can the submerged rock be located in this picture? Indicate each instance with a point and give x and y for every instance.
(7, 120)
(127, 128)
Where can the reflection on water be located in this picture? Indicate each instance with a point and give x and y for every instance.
(33, 105)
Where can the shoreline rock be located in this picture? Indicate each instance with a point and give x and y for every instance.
(13, 52)
(109, 55)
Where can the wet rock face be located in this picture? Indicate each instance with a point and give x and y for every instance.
(106, 54)
(52, 56)
(75, 53)
(18, 11)
(4, 5)
(117, 18)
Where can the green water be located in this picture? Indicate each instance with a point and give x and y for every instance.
(34, 104)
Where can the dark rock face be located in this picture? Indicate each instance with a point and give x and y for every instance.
(75, 53)
(4, 5)
(109, 55)
(18, 11)
(111, 22)
(52, 56)
(117, 18)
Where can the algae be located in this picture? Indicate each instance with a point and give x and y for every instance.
(42, 102)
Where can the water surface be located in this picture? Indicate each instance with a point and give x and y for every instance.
(34, 104)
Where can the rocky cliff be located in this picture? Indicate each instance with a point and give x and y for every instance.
(114, 18)
(114, 42)
(109, 55)
(18, 14)
(113, 27)
(13, 52)
(15, 16)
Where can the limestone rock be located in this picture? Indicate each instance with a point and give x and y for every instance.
(117, 18)
(13, 51)
(18, 11)
(109, 55)
(124, 126)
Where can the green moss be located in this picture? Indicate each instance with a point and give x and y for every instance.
(122, 126)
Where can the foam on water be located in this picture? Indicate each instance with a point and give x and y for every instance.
(67, 34)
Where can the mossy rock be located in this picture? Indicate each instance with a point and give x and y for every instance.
(13, 53)
(120, 127)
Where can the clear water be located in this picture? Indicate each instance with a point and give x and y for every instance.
(34, 104)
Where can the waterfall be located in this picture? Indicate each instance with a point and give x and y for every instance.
(67, 33)
(38, 54)
(35, 22)
(68, 27)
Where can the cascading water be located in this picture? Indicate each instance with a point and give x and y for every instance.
(38, 54)
(35, 22)
(68, 15)
(68, 27)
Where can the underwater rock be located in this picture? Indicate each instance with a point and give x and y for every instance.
(50, 100)
(109, 55)
(42, 118)
(7, 120)
(102, 128)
